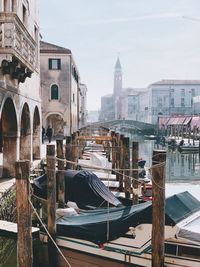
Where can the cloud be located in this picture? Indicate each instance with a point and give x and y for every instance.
(129, 19)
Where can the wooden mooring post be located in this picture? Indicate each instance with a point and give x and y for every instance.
(113, 149)
(24, 224)
(68, 149)
(51, 204)
(117, 156)
(60, 175)
(158, 207)
(126, 166)
(121, 163)
(135, 155)
(73, 151)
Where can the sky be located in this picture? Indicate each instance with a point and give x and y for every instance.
(154, 39)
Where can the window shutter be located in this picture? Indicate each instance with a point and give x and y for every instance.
(50, 64)
(59, 64)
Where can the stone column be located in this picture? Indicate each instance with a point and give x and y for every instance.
(9, 154)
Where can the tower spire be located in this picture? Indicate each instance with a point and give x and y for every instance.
(118, 64)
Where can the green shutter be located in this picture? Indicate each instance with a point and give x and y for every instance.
(54, 92)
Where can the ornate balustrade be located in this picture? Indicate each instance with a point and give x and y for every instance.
(18, 50)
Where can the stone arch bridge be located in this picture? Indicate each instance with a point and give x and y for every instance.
(127, 126)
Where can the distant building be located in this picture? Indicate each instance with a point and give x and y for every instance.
(82, 105)
(130, 103)
(196, 105)
(20, 103)
(60, 89)
(107, 108)
(162, 98)
(168, 97)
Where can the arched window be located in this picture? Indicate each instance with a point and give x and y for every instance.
(54, 92)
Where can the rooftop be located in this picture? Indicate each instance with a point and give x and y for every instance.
(51, 48)
(176, 82)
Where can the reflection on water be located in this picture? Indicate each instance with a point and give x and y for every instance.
(179, 167)
(182, 167)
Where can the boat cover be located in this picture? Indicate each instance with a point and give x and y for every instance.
(103, 224)
(180, 206)
(190, 230)
(82, 187)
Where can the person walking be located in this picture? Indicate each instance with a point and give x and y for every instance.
(49, 133)
(43, 134)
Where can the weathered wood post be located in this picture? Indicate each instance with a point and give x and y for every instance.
(121, 163)
(135, 155)
(68, 149)
(24, 223)
(73, 151)
(113, 135)
(158, 207)
(51, 203)
(60, 175)
(117, 155)
(76, 146)
(127, 180)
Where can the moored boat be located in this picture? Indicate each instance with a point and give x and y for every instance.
(122, 236)
(187, 148)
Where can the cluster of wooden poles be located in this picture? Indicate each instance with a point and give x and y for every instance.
(117, 147)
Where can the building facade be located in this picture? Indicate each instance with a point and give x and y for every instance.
(107, 108)
(171, 97)
(20, 106)
(196, 105)
(83, 114)
(132, 103)
(60, 89)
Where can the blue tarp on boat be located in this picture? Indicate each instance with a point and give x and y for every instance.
(104, 224)
(101, 225)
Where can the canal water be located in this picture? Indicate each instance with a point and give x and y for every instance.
(182, 174)
(182, 170)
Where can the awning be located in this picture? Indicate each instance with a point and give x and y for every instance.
(195, 122)
(163, 121)
(171, 121)
(187, 120)
(181, 120)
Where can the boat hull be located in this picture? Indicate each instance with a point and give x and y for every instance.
(81, 253)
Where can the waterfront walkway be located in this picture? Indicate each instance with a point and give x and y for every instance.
(7, 183)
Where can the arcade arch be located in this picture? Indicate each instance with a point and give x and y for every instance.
(25, 134)
(8, 138)
(56, 122)
(36, 134)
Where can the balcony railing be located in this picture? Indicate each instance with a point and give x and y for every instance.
(16, 42)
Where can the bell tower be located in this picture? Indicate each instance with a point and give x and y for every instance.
(117, 79)
(117, 89)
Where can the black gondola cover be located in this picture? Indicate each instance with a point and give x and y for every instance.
(82, 187)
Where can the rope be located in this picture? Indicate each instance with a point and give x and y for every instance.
(161, 164)
(109, 170)
(43, 225)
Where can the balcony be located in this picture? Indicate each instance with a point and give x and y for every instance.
(18, 50)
